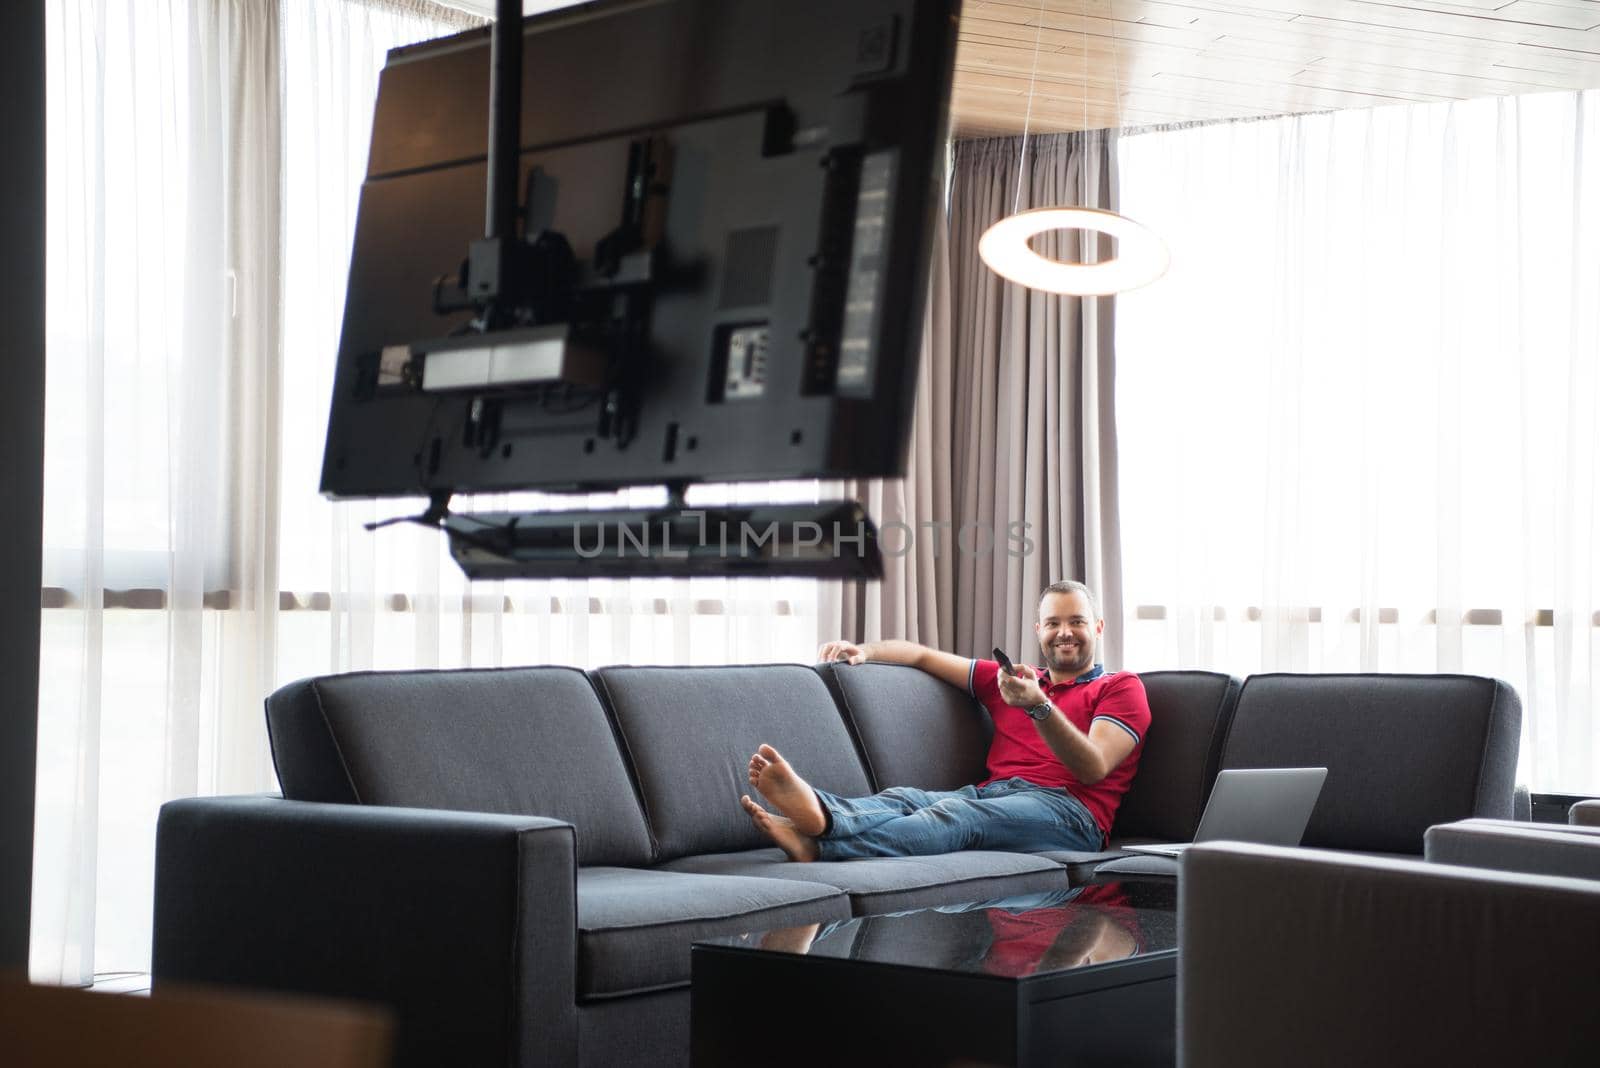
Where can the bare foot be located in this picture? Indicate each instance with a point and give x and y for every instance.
(786, 791)
(800, 847)
(791, 939)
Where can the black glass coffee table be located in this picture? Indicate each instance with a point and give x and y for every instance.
(1084, 976)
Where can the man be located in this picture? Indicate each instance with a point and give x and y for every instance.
(1066, 745)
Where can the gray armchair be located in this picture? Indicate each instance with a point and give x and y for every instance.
(1306, 957)
(1532, 848)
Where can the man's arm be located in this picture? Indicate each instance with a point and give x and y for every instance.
(1090, 757)
(946, 667)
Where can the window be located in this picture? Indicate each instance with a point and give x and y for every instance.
(1358, 417)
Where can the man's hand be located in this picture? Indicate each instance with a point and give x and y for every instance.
(1022, 690)
(848, 652)
(951, 670)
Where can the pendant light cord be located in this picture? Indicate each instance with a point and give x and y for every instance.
(1027, 117)
(1004, 246)
(1083, 47)
(1116, 78)
(1116, 114)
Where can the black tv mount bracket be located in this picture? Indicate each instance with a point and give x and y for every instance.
(530, 292)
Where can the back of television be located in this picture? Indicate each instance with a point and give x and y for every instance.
(703, 274)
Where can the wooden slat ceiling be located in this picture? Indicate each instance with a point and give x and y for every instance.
(1129, 63)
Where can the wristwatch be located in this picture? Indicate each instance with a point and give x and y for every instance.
(1040, 711)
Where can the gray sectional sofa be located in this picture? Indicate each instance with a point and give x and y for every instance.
(517, 860)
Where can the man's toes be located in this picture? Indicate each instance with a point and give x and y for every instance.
(768, 753)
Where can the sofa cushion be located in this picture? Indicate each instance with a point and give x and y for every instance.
(1403, 752)
(893, 884)
(523, 741)
(1082, 864)
(1189, 715)
(689, 732)
(635, 926)
(914, 729)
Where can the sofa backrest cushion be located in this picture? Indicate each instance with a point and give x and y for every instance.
(1403, 752)
(525, 741)
(913, 729)
(1189, 714)
(688, 733)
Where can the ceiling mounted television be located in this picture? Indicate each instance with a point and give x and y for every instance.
(695, 251)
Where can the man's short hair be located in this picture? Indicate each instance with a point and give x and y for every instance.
(1071, 586)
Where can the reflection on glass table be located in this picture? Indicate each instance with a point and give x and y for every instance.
(1014, 936)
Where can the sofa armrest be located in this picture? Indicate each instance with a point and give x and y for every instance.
(1298, 956)
(1533, 848)
(465, 924)
(1585, 813)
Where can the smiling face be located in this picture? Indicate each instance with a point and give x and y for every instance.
(1069, 633)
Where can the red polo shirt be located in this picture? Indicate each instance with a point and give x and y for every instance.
(1019, 750)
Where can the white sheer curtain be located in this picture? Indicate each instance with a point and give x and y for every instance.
(161, 324)
(1358, 417)
(205, 157)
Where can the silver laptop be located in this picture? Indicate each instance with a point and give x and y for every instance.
(1267, 805)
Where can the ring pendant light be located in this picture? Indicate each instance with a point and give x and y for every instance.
(1007, 248)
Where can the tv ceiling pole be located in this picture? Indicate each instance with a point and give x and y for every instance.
(505, 147)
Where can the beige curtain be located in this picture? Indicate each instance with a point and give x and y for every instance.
(1011, 483)
(1033, 438)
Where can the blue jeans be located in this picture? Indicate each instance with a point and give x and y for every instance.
(1013, 815)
